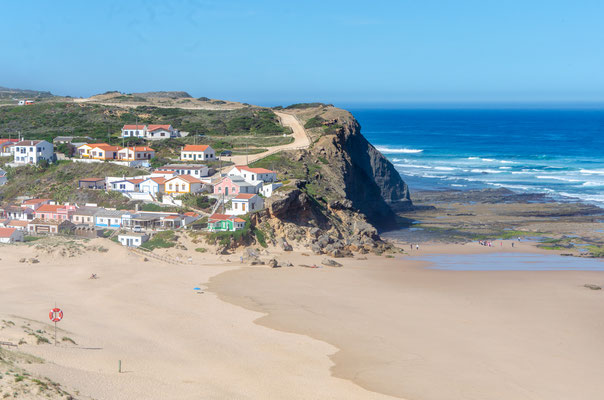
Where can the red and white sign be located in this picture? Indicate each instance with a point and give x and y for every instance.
(56, 314)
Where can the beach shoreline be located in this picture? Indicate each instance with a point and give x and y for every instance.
(289, 306)
(379, 327)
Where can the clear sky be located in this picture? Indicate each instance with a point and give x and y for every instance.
(277, 52)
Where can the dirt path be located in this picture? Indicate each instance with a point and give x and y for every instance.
(301, 141)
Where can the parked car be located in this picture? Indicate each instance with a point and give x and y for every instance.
(226, 153)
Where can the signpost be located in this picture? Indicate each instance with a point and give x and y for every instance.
(55, 315)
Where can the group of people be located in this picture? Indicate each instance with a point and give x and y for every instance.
(416, 246)
(486, 243)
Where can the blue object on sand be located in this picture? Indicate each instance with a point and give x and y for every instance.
(196, 288)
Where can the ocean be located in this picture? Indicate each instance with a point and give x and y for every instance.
(558, 152)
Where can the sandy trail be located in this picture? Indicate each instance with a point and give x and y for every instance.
(173, 342)
(301, 141)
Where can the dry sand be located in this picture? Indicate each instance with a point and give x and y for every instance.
(370, 330)
(173, 342)
(428, 334)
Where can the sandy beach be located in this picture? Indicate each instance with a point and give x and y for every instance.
(374, 329)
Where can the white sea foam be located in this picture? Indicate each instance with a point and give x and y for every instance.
(473, 158)
(445, 168)
(391, 150)
(412, 166)
(590, 183)
(592, 171)
(505, 167)
(557, 178)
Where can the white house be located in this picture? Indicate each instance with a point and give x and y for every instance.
(136, 153)
(19, 213)
(244, 203)
(150, 132)
(132, 239)
(268, 188)
(10, 235)
(137, 131)
(196, 170)
(126, 185)
(153, 185)
(33, 151)
(160, 132)
(253, 175)
(192, 152)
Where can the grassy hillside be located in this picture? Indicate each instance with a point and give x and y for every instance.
(102, 122)
(59, 182)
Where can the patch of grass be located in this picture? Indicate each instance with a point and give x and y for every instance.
(201, 249)
(596, 251)
(260, 237)
(68, 339)
(161, 240)
(314, 122)
(29, 238)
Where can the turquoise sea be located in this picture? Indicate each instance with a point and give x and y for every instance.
(555, 151)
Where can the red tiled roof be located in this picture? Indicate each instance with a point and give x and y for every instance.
(193, 147)
(256, 170)
(191, 214)
(139, 148)
(159, 179)
(52, 208)
(35, 201)
(187, 178)
(135, 181)
(93, 145)
(220, 217)
(17, 222)
(245, 196)
(7, 232)
(107, 147)
(133, 127)
(151, 128)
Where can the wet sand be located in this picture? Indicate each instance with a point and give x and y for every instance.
(417, 333)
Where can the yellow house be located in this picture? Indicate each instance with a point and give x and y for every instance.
(105, 152)
(84, 150)
(182, 184)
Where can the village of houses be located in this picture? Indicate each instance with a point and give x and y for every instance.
(238, 190)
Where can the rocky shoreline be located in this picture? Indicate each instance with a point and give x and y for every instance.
(459, 216)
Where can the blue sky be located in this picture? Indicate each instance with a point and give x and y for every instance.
(277, 52)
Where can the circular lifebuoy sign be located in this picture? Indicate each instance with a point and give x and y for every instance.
(55, 315)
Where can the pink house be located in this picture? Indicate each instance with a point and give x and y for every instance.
(233, 185)
(54, 212)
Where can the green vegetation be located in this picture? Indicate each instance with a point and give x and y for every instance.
(596, 251)
(201, 249)
(68, 339)
(59, 182)
(161, 240)
(102, 122)
(198, 201)
(260, 237)
(282, 163)
(307, 105)
(314, 122)
(224, 238)
(29, 238)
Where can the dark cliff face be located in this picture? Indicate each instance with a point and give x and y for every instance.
(369, 181)
(372, 183)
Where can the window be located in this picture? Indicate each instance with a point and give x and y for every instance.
(183, 187)
(242, 206)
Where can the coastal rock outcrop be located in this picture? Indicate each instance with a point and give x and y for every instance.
(339, 192)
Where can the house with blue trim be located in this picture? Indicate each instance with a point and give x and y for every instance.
(109, 218)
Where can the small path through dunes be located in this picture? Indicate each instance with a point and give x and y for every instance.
(301, 141)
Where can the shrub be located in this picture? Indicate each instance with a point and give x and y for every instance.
(315, 122)
(201, 249)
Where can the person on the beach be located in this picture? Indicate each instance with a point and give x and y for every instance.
(417, 247)
(512, 244)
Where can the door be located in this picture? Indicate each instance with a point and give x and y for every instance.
(226, 191)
